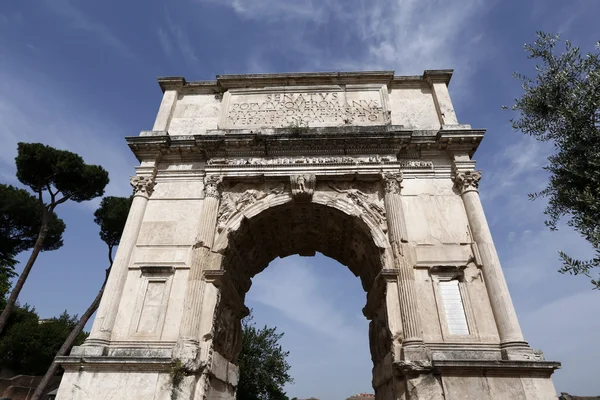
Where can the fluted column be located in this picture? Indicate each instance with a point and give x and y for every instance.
(201, 254)
(404, 260)
(467, 182)
(109, 306)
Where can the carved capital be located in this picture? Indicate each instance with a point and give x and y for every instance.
(393, 182)
(213, 186)
(467, 181)
(303, 187)
(142, 185)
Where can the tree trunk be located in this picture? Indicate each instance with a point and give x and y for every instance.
(68, 343)
(39, 243)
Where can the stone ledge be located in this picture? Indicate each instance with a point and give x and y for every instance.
(159, 364)
(495, 367)
(344, 140)
(225, 82)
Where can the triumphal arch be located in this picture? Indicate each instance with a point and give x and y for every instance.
(371, 169)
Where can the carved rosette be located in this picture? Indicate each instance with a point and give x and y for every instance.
(142, 185)
(393, 182)
(467, 181)
(303, 187)
(212, 186)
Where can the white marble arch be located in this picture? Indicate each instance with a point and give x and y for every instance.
(372, 192)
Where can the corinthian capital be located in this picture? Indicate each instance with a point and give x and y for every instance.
(143, 185)
(393, 182)
(467, 181)
(212, 186)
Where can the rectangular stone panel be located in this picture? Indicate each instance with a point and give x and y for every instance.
(152, 307)
(313, 106)
(467, 388)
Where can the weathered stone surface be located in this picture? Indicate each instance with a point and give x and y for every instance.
(370, 169)
(425, 387)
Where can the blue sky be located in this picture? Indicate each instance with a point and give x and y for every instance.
(81, 75)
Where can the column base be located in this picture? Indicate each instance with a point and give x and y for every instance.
(520, 351)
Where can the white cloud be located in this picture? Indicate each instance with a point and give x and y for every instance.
(405, 35)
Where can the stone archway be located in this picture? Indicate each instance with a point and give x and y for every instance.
(342, 219)
(381, 180)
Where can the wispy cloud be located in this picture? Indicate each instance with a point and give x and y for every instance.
(531, 258)
(567, 330)
(34, 110)
(296, 292)
(510, 175)
(405, 35)
(175, 39)
(81, 21)
(317, 303)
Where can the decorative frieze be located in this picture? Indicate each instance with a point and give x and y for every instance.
(292, 161)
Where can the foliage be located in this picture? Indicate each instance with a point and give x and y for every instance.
(263, 366)
(28, 345)
(61, 176)
(111, 215)
(562, 105)
(20, 222)
(44, 168)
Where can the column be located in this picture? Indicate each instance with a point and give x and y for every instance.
(467, 182)
(192, 312)
(143, 186)
(404, 260)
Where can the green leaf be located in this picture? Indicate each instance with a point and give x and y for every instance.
(561, 105)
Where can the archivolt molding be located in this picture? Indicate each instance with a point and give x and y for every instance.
(261, 221)
(246, 200)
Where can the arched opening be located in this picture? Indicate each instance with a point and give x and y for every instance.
(317, 303)
(280, 227)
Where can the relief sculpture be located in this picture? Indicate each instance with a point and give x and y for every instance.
(303, 187)
(370, 206)
(240, 196)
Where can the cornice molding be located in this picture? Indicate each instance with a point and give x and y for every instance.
(226, 82)
(385, 139)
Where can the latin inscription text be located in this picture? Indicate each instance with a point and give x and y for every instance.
(304, 109)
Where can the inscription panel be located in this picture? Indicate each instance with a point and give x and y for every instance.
(305, 107)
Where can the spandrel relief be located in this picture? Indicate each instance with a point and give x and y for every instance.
(236, 198)
(365, 196)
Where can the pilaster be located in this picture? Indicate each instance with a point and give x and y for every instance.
(404, 259)
(143, 186)
(201, 260)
